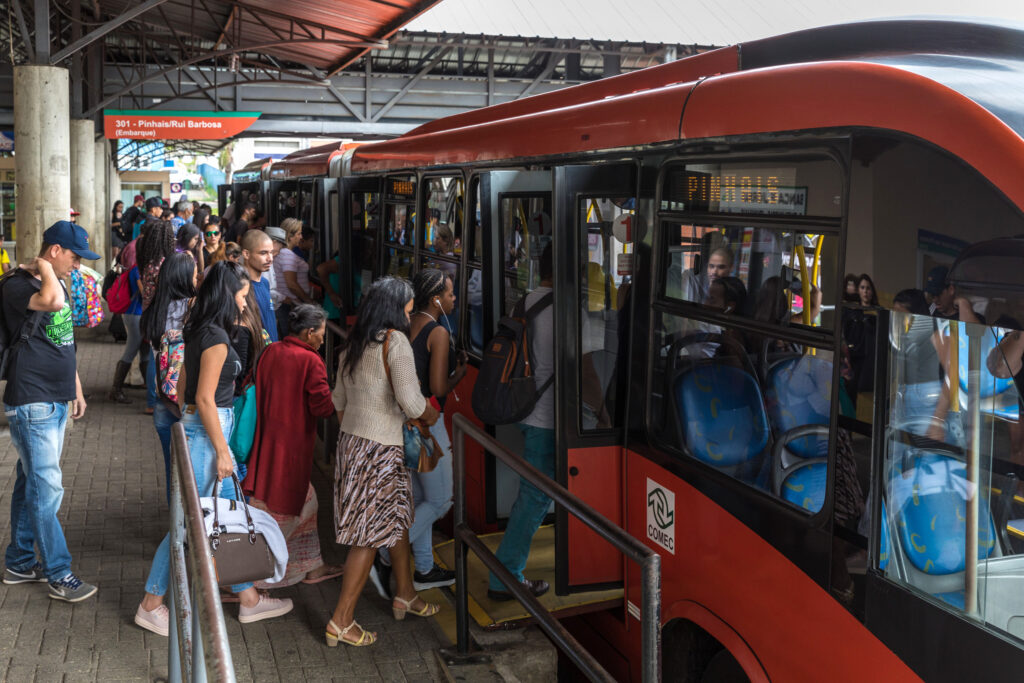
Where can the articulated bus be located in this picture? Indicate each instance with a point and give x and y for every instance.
(833, 488)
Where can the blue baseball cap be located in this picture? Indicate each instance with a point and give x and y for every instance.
(70, 236)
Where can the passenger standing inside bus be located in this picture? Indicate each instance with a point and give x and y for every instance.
(210, 368)
(538, 430)
(372, 488)
(439, 370)
(859, 336)
(945, 301)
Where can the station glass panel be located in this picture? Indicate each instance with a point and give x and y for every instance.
(950, 491)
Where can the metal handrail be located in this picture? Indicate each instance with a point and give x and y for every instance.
(208, 656)
(466, 539)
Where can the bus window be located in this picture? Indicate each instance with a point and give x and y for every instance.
(474, 305)
(399, 222)
(525, 232)
(950, 494)
(442, 234)
(365, 238)
(766, 426)
(605, 282)
(780, 277)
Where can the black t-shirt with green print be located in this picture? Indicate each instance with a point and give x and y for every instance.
(42, 370)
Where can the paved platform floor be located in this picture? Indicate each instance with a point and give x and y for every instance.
(114, 515)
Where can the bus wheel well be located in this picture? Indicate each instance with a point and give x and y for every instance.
(687, 650)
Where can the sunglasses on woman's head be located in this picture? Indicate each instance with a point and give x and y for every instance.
(212, 233)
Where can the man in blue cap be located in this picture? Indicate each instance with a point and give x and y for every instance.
(42, 388)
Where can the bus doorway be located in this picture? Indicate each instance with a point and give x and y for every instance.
(596, 214)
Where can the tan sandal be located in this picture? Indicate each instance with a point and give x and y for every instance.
(428, 610)
(334, 638)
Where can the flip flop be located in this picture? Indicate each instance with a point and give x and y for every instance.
(326, 577)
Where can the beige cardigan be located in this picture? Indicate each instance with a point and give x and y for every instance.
(372, 410)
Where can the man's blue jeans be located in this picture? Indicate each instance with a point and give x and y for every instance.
(37, 430)
(204, 464)
(530, 507)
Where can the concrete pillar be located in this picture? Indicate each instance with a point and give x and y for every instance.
(103, 203)
(43, 159)
(83, 174)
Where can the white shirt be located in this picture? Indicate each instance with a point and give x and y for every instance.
(288, 262)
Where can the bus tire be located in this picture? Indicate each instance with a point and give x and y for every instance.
(687, 650)
(723, 668)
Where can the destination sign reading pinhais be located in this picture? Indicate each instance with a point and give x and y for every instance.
(132, 124)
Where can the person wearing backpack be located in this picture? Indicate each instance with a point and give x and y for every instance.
(538, 429)
(130, 316)
(163, 322)
(43, 388)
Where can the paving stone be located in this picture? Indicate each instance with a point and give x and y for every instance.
(114, 515)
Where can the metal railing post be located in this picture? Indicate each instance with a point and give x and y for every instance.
(461, 552)
(634, 549)
(197, 617)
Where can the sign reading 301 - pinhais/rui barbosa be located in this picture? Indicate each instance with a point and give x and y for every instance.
(132, 124)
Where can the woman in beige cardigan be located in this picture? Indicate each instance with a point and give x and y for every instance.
(372, 488)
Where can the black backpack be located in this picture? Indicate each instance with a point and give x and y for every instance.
(10, 341)
(506, 390)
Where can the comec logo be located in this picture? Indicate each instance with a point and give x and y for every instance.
(661, 516)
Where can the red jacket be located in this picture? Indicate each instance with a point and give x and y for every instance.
(291, 393)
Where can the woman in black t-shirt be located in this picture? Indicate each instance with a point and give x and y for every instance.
(210, 368)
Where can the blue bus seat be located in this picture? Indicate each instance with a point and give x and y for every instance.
(999, 395)
(798, 396)
(721, 417)
(929, 502)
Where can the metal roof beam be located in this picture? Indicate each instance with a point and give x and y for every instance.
(20, 16)
(103, 30)
(411, 84)
(255, 10)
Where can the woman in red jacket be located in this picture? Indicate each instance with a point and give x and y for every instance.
(291, 393)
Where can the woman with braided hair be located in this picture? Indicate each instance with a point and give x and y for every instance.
(155, 243)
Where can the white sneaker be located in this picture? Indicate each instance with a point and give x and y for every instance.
(157, 620)
(266, 608)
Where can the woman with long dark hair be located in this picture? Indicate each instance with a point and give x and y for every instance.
(439, 369)
(117, 234)
(155, 243)
(209, 373)
(175, 289)
(190, 241)
(859, 328)
(134, 344)
(372, 488)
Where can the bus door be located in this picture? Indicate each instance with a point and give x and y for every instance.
(507, 225)
(595, 210)
(358, 240)
(224, 197)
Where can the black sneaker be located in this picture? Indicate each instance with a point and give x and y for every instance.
(71, 589)
(538, 588)
(33, 574)
(380, 576)
(435, 578)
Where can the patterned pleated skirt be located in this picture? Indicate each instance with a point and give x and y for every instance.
(372, 493)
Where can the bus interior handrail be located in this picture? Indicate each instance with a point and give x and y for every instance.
(466, 539)
(198, 649)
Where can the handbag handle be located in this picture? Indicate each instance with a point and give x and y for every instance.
(215, 536)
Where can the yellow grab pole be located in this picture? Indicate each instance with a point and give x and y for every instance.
(799, 252)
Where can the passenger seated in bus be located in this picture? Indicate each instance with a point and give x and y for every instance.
(693, 286)
(728, 295)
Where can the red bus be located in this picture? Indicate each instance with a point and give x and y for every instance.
(814, 476)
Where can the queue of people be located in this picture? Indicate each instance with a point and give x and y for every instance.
(206, 332)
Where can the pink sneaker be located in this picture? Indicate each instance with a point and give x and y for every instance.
(157, 620)
(266, 608)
